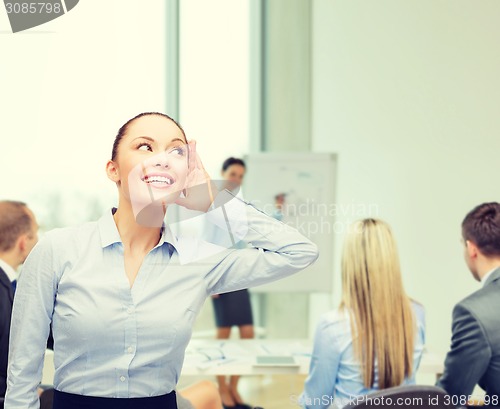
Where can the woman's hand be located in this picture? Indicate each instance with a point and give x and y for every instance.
(199, 191)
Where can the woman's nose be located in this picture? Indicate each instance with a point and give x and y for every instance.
(162, 164)
(160, 160)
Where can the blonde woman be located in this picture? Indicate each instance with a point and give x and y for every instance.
(375, 339)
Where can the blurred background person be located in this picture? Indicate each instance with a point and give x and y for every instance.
(18, 235)
(234, 308)
(474, 356)
(375, 339)
(279, 205)
(201, 395)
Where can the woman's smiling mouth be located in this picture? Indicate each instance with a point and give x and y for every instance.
(159, 180)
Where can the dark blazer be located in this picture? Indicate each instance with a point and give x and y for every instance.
(474, 357)
(6, 300)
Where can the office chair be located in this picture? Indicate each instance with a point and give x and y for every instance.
(408, 397)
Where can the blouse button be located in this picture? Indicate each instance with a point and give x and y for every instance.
(130, 349)
(122, 378)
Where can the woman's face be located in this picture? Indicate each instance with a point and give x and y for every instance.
(152, 162)
(234, 174)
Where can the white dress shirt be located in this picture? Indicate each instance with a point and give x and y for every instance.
(487, 275)
(7, 268)
(111, 340)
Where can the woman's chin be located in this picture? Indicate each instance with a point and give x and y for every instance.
(150, 216)
(150, 213)
(153, 198)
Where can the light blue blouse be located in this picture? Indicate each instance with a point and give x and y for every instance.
(335, 375)
(111, 340)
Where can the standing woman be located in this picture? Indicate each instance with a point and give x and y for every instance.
(376, 338)
(233, 308)
(122, 293)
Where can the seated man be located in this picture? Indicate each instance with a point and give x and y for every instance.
(18, 235)
(474, 357)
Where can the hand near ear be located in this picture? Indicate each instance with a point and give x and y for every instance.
(199, 191)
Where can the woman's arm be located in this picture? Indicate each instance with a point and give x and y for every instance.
(277, 250)
(418, 346)
(31, 317)
(319, 387)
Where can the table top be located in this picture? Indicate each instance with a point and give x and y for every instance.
(238, 357)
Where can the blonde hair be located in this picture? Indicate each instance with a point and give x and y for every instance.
(382, 321)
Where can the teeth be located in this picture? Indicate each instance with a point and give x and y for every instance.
(158, 179)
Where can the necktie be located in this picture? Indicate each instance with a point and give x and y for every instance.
(14, 285)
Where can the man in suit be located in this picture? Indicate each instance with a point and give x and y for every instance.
(18, 235)
(474, 357)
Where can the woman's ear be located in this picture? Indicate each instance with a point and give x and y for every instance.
(112, 171)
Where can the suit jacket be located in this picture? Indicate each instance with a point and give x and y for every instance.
(474, 357)
(6, 300)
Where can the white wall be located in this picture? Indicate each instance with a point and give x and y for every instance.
(408, 93)
(68, 85)
(214, 100)
(65, 89)
(214, 88)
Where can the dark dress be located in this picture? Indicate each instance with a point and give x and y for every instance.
(233, 309)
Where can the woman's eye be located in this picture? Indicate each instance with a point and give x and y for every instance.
(144, 147)
(178, 151)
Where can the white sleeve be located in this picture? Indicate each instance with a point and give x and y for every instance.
(276, 249)
(31, 317)
(319, 387)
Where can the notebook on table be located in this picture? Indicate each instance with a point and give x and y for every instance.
(275, 360)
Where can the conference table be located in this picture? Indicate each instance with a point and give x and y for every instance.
(244, 357)
(239, 357)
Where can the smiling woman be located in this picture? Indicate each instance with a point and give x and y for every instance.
(149, 164)
(122, 293)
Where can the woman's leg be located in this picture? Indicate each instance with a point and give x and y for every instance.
(47, 399)
(202, 395)
(246, 332)
(225, 393)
